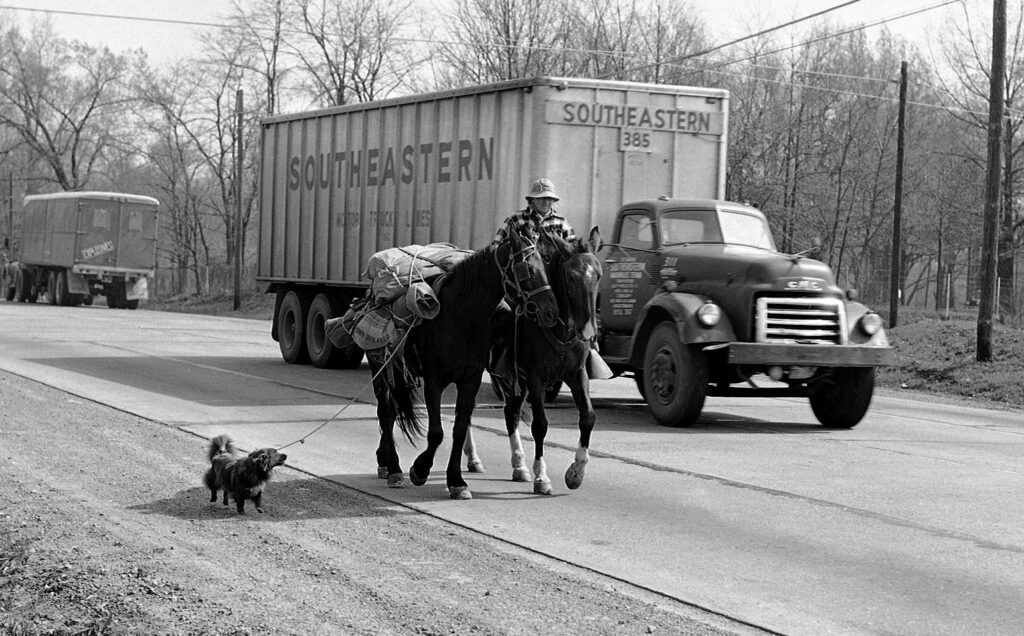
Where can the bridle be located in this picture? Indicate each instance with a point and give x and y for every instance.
(515, 275)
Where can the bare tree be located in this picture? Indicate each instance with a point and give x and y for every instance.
(351, 51)
(63, 99)
(967, 51)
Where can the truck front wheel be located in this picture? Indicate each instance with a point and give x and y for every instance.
(291, 328)
(675, 378)
(844, 400)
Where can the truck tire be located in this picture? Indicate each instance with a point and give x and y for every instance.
(117, 294)
(23, 286)
(322, 352)
(60, 289)
(291, 327)
(675, 378)
(51, 287)
(7, 281)
(844, 400)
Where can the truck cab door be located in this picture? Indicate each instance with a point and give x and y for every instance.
(631, 277)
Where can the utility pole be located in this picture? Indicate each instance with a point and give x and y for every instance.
(895, 273)
(238, 200)
(990, 240)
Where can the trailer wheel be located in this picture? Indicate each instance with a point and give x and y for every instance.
(8, 284)
(117, 294)
(60, 289)
(23, 285)
(51, 287)
(322, 352)
(291, 329)
(675, 378)
(844, 400)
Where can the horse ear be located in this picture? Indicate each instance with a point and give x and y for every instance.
(595, 239)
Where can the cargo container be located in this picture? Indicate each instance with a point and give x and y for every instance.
(340, 184)
(71, 246)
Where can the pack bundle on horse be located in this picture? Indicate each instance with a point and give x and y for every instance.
(453, 348)
(548, 354)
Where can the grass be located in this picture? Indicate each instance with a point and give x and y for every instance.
(938, 356)
(934, 355)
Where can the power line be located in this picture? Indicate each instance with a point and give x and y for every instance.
(89, 14)
(688, 56)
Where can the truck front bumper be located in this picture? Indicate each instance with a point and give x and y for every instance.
(765, 353)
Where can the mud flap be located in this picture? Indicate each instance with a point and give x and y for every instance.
(138, 290)
(77, 283)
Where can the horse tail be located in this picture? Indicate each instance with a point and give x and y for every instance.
(397, 384)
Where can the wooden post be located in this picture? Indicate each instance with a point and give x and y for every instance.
(895, 271)
(989, 245)
(238, 201)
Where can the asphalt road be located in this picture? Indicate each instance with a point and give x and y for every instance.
(910, 523)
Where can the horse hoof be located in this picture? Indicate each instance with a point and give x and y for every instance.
(475, 466)
(416, 479)
(574, 476)
(396, 480)
(542, 486)
(459, 492)
(521, 474)
(382, 472)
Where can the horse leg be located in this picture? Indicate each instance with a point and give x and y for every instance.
(580, 387)
(513, 407)
(388, 466)
(539, 429)
(473, 462)
(435, 433)
(464, 404)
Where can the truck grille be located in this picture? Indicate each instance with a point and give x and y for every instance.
(801, 320)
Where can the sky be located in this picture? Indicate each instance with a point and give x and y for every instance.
(726, 19)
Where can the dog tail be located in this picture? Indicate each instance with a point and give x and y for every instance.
(220, 444)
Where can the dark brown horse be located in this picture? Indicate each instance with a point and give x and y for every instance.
(453, 348)
(547, 355)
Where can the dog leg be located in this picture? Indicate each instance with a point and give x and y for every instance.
(213, 495)
(258, 502)
(225, 497)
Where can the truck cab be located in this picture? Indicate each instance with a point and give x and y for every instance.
(696, 300)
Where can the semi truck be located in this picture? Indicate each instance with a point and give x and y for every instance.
(71, 246)
(340, 184)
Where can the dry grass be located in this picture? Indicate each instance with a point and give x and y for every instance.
(939, 356)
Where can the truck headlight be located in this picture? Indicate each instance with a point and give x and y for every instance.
(709, 314)
(871, 323)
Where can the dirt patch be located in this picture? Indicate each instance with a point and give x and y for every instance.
(106, 529)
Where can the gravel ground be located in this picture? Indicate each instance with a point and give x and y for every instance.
(105, 528)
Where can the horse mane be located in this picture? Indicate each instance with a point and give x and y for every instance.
(471, 270)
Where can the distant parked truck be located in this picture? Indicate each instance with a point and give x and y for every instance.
(71, 246)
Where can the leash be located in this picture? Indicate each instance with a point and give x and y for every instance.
(368, 386)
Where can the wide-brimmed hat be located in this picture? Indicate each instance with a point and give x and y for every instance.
(542, 189)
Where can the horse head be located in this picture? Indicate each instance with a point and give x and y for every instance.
(575, 272)
(526, 277)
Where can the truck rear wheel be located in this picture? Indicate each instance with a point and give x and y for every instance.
(51, 287)
(61, 296)
(291, 328)
(843, 402)
(322, 352)
(675, 377)
(7, 282)
(23, 291)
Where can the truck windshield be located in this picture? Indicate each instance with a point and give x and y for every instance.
(689, 226)
(742, 228)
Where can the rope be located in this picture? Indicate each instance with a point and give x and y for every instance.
(387, 361)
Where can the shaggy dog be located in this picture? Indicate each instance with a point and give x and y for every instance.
(241, 477)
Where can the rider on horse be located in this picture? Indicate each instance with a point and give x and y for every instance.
(541, 216)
